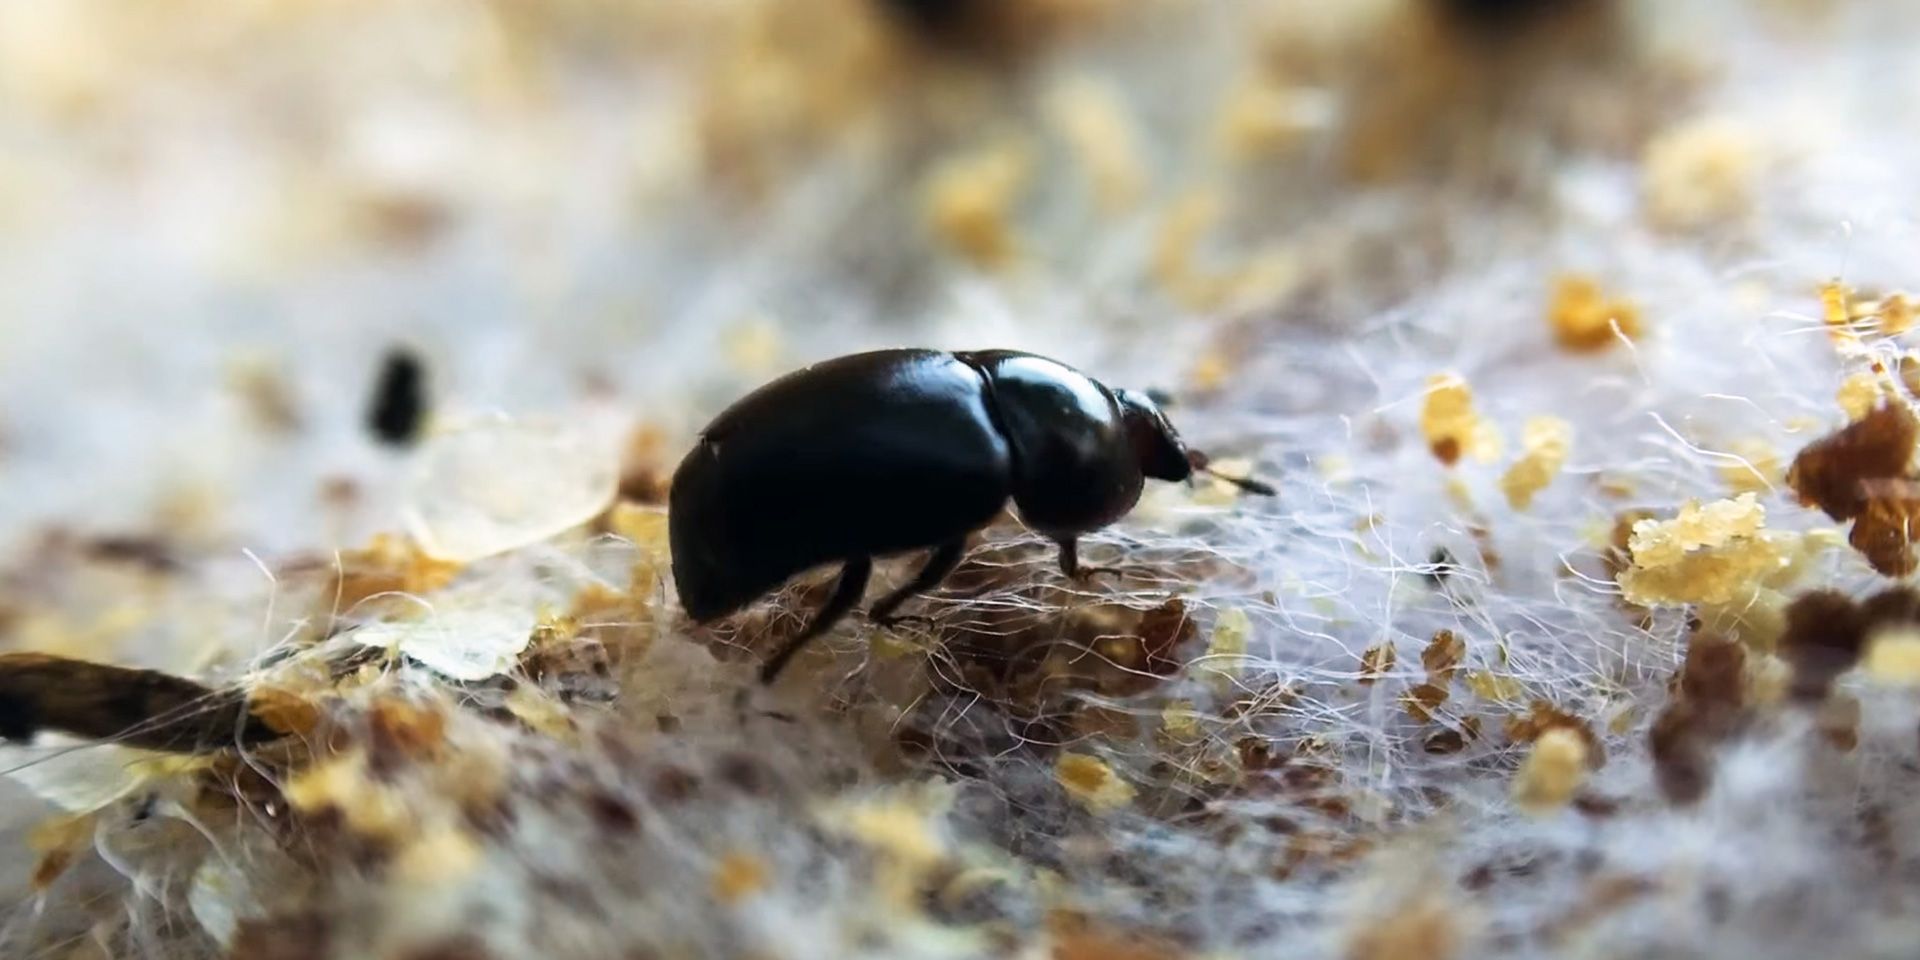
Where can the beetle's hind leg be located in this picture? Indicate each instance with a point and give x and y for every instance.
(853, 583)
(1070, 563)
(940, 562)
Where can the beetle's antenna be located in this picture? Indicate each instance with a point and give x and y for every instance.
(1248, 484)
(1201, 463)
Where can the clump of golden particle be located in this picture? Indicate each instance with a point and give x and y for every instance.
(1702, 555)
(1544, 444)
(738, 876)
(1542, 718)
(1700, 174)
(1861, 392)
(969, 203)
(1094, 121)
(1552, 772)
(1836, 309)
(1451, 424)
(1895, 313)
(1183, 271)
(387, 565)
(1893, 656)
(1757, 470)
(1089, 780)
(1848, 317)
(1585, 320)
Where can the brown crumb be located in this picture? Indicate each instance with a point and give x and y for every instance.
(1426, 930)
(1883, 531)
(1074, 938)
(398, 731)
(1708, 707)
(284, 936)
(1824, 636)
(1827, 632)
(58, 841)
(1605, 895)
(1423, 700)
(1618, 557)
(263, 388)
(1830, 472)
(1376, 662)
(1442, 656)
(1161, 632)
(340, 492)
(1453, 740)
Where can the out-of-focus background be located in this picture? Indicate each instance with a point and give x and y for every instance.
(1474, 281)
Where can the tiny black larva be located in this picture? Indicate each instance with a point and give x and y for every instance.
(892, 451)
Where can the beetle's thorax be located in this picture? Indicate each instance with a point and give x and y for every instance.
(1074, 466)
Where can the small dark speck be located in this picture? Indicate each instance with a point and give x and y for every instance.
(399, 405)
(148, 552)
(1443, 567)
(930, 15)
(1493, 15)
(745, 773)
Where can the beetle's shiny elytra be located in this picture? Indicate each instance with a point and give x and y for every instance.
(891, 451)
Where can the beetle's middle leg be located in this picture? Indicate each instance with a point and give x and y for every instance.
(853, 583)
(940, 562)
(1070, 562)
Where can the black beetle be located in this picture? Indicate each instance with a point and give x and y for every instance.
(399, 406)
(891, 451)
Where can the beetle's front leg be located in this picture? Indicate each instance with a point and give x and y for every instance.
(1070, 563)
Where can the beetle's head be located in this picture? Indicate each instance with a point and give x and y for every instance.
(1162, 454)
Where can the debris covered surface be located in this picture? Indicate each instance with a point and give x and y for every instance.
(1575, 334)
